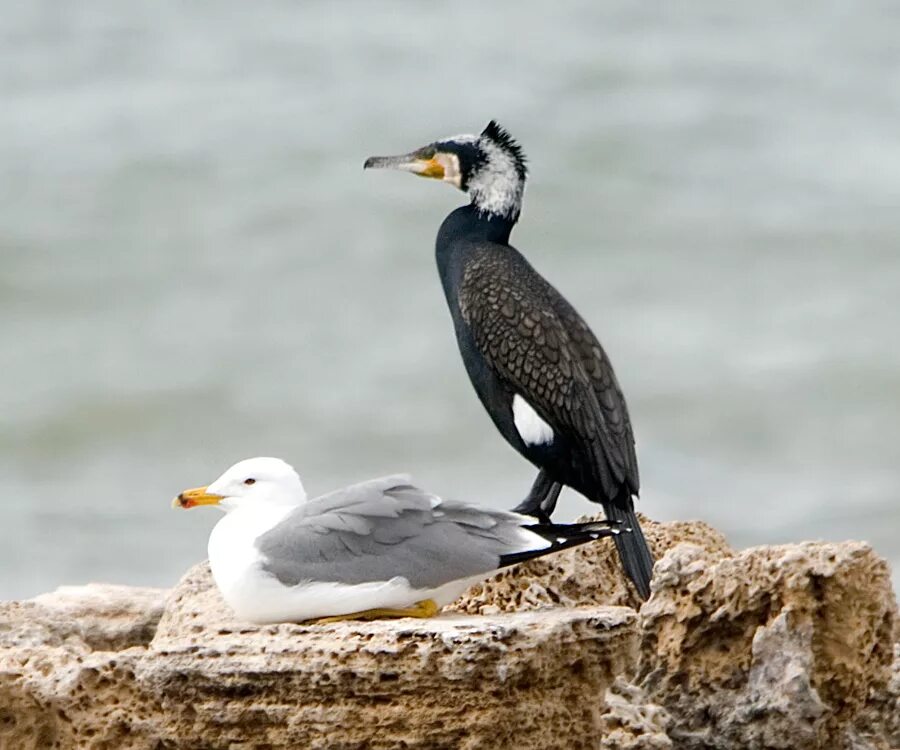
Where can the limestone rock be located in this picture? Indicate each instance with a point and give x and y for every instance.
(878, 725)
(772, 647)
(524, 680)
(590, 574)
(468, 682)
(631, 722)
(195, 606)
(207, 681)
(53, 651)
(92, 617)
(775, 647)
(105, 616)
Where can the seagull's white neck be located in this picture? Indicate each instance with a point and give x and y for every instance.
(274, 502)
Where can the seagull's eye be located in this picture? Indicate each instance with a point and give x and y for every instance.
(250, 481)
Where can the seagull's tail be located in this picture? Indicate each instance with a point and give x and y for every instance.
(633, 550)
(564, 535)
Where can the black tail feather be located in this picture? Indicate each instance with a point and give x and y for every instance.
(562, 536)
(633, 550)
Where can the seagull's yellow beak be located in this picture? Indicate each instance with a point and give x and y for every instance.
(194, 497)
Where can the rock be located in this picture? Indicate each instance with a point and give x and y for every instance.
(418, 682)
(631, 722)
(527, 679)
(106, 617)
(53, 651)
(775, 647)
(772, 647)
(195, 607)
(209, 681)
(878, 725)
(95, 616)
(587, 575)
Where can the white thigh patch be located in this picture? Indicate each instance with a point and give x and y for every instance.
(531, 428)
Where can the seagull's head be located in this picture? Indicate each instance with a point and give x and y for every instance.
(254, 481)
(490, 167)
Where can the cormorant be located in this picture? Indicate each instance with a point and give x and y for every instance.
(536, 365)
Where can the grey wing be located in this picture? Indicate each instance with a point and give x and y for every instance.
(385, 528)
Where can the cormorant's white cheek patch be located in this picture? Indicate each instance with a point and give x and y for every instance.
(531, 428)
(450, 163)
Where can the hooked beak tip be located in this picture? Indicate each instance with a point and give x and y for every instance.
(195, 497)
(413, 163)
(383, 162)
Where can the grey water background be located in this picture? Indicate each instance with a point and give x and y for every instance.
(195, 268)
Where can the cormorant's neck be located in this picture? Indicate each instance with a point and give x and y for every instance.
(471, 223)
(496, 186)
(500, 198)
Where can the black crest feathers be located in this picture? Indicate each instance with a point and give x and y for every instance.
(495, 133)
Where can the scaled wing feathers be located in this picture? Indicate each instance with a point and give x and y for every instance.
(516, 322)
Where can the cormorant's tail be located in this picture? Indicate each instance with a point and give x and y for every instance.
(633, 550)
(562, 536)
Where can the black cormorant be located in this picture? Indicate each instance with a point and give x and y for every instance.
(536, 365)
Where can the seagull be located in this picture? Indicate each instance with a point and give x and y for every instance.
(382, 548)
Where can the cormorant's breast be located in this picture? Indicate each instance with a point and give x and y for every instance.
(465, 235)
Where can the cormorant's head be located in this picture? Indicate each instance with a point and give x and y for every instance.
(489, 167)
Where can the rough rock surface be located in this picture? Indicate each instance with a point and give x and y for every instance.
(772, 647)
(105, 616)
(878, 725)
(775, 647)
(66, 660)
(587, 575)
(207, 681)
(631, 722)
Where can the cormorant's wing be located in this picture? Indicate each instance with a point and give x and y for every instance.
(512, 314)
(606, 388)
(384, 528)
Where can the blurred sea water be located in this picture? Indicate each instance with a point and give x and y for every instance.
(196, 270)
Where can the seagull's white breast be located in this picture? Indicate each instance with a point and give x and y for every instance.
(235, 561)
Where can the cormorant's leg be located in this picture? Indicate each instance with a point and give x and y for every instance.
(422, 609)
(541, 499)
(548, 504)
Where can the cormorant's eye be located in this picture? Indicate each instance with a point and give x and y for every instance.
(249, 481)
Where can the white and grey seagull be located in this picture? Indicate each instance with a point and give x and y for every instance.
(381, 548)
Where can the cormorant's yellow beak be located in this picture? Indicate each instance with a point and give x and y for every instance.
(194, 497)
(416, 162)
